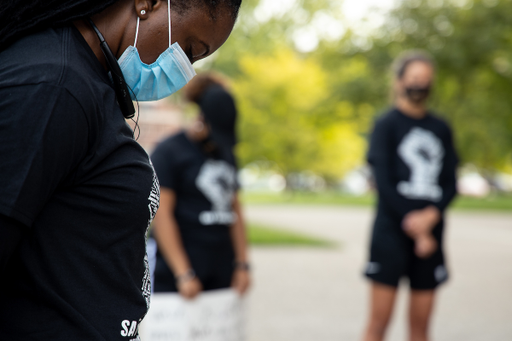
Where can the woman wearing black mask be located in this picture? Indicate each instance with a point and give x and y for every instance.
(199, 228)
(77, 192)
(414, 163)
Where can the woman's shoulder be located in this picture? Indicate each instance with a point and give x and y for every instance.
(172, 145)
(439, 122)
(171, 152)
(33, 59)
(175, 140)
(385, 119)
(55, 57)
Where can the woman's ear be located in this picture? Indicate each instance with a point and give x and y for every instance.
(143, 8)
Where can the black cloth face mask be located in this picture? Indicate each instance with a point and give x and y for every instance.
(417, 94)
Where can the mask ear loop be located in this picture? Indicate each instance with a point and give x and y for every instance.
(136, 128)
(136, 32)
(169, 19)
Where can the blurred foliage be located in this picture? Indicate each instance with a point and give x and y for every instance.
(472, 44)
(313, 111)
(280, 121)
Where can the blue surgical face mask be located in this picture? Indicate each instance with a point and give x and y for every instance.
(169, 73)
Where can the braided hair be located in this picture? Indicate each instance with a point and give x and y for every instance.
(22, 17)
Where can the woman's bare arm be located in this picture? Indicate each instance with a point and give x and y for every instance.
(170, 244)
(241, 278)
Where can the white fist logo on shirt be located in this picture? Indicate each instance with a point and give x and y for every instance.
(216, 180)
(423, 152)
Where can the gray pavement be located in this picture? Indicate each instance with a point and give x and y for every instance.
(309, 294)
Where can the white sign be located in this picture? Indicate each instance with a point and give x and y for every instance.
(213, 316)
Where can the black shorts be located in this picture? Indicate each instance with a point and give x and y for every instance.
(214, 267)
(392, 258)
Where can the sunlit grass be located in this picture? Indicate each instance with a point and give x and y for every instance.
(489, 203)
(269, 236)
(326, 198)
(492, 202)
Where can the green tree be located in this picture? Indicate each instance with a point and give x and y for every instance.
(277, 97)
(311, 111)
(471, 42)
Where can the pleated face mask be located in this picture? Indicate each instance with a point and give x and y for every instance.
(169, 73)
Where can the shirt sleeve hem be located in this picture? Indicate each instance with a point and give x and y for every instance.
(16, 215)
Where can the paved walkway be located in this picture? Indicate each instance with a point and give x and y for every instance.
(320, 295)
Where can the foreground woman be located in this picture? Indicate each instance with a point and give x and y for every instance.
(77, 192)
(414, 162)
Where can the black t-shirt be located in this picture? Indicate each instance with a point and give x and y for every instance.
(414, 164)
(204, 187)
(73, 174)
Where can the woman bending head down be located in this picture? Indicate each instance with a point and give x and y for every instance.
(199, 26)
(147, 37)
(78, 193)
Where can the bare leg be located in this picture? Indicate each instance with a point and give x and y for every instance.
(420, 310)
(382, 303)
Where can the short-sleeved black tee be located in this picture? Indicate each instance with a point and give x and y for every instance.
(414, 164)
(204, 187)
(73, 174)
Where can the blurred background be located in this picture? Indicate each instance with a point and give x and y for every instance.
(309, 78)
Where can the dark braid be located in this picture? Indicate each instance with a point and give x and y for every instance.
(22, 17)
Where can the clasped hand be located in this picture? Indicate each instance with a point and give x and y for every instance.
(421, 222)
(418, 225)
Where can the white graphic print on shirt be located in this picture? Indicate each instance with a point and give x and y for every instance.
(423, 152)
(131, 328)
(154, 203)
(216, 180)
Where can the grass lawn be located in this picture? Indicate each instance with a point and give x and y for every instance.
(502, 203)
(267, 236)
(494, 202)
